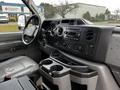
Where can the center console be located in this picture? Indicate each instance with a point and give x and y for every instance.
(62, 73)
(56, 74)
(83, 50)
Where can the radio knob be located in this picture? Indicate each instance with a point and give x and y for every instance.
(59, 31)
(64, 44)
(79, 48)
(91, 46)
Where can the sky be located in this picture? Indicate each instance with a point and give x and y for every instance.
(110, 4)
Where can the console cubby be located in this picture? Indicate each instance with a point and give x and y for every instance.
(55, 73)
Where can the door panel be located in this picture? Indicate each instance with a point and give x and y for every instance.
(11, 45)
(10, 36)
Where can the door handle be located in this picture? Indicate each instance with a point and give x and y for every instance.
(12, 50)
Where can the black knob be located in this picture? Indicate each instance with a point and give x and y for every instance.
(79, 48)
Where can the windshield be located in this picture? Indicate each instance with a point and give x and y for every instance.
(98, 12)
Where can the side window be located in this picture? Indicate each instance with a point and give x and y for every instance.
(13, 16)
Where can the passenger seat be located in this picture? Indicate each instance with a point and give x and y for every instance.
(17, 66)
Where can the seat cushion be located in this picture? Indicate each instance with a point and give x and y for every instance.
(17, 66)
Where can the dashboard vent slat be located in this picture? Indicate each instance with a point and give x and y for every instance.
(89, 35)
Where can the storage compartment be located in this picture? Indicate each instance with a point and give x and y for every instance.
(49, 84)
(57, 55)
(76, 86)
(86, 80)
(55, 75)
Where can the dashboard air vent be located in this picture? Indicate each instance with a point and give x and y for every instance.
(89, 35)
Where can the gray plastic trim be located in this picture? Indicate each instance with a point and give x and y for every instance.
(90, 82)
(105, 78)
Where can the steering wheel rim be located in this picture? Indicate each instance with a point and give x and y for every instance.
(34, 32)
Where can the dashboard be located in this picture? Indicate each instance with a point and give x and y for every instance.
(78, 38)
(86, 41)
(51, 24)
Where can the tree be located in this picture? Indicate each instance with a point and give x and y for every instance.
(65, 8)
(107, 12)
(49, 10)
(97, 16)
(100, 17)
(87, 16)
(117, 11)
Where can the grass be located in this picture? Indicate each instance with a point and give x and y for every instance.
(8, 28)
(112, 22)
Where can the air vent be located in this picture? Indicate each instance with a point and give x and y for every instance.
(59, 31)
(89, 35)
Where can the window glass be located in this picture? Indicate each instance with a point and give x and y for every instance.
(12, 12)
(96, 11)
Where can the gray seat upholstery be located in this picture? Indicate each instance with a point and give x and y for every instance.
(17, 66)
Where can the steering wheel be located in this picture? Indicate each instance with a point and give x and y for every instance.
(30, 31)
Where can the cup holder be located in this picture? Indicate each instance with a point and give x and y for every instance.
(46, 62)
(56, 68)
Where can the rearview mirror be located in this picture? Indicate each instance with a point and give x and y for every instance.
(21, 22)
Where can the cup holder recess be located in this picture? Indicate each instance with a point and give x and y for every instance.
(56, 68)
(46, 62)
